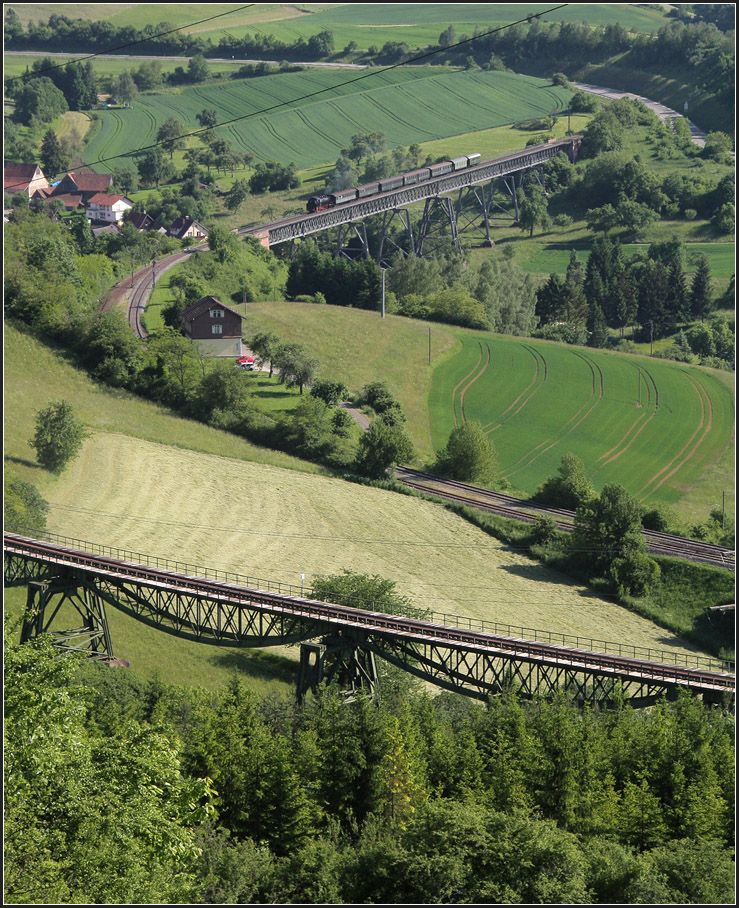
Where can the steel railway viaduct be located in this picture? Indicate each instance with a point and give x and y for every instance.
(489, 190)
(337, 641)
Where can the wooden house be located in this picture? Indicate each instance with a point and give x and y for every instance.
(213, 327)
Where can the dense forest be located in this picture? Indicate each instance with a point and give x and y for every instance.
(117, 790)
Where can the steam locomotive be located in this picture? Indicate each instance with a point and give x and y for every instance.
(330, 200)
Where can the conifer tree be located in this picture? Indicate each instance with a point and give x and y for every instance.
(701, 294)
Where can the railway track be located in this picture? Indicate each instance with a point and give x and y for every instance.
(528, 512)
(718, 678)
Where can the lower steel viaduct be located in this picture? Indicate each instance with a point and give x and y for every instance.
(338, 642)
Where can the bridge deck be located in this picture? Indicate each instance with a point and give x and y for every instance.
(327, 615)
(304, 225)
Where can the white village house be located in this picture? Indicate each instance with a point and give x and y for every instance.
(108, 207)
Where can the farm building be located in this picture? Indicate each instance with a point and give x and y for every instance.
(213, 327)
(84, 184)
(187, 227)
(26, 178)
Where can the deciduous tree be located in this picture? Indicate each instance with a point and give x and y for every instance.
(59, 435)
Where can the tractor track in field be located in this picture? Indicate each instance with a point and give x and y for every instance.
(549, 445)
(454, 392)
(531, 384)
(700, 391)
(479, 375)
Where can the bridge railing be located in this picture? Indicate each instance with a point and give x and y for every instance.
(302, 591)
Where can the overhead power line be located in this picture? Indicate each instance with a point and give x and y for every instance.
(322, 91)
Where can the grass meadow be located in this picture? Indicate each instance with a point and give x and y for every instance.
(276, 524)
(366, 24)
(652, 426)
(404, 104)
(357, 346)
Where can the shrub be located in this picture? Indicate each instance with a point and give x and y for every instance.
(635, 574)
(59, 436)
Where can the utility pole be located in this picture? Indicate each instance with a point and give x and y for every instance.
(429, 345)
(651, 335)
(723, 510)
(383, 292)
(153, 272)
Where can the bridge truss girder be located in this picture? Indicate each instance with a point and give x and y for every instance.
(344, 654)
(482, 674)
(468, 211)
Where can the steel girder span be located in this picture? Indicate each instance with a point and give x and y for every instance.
(473, 663)
(477, 189)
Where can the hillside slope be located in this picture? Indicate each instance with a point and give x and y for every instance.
(148, 482)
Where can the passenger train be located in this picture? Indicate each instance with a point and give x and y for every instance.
(322, 202)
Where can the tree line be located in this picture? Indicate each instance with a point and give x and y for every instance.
(124, 790)
(62, 32)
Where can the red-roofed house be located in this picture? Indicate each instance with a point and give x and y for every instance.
(23, 178)
(87, 184)
(70, 200)
(105, 206)
(213, 327)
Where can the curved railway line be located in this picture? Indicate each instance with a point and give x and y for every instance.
(508, 506)
(222, 623)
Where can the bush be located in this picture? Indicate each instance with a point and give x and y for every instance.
(635, 574)
(59, 436)
(469, 455)
(24, 510)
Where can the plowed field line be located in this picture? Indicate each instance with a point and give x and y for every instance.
(479, 375)
(454, 392)
(574, 416)
(700, 391)
(631, 429)
(530, 385)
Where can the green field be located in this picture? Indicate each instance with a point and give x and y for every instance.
(404, 104)
(652, 426)
(553, 258)
(663, 430)
(149, 482)
(365, 23)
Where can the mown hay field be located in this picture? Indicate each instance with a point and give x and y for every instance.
(274, 525)
(654, 427)
(408, 105)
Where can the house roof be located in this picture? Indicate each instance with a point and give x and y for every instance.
(141, 220)
(202, 305)
(108, 228)
(69, 199)
(42, 193)
(107, 199)
(16, 177)
(180, 226)
(91, 182)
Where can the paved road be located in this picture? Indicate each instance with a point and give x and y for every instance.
(664, 113)
(39, 53)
